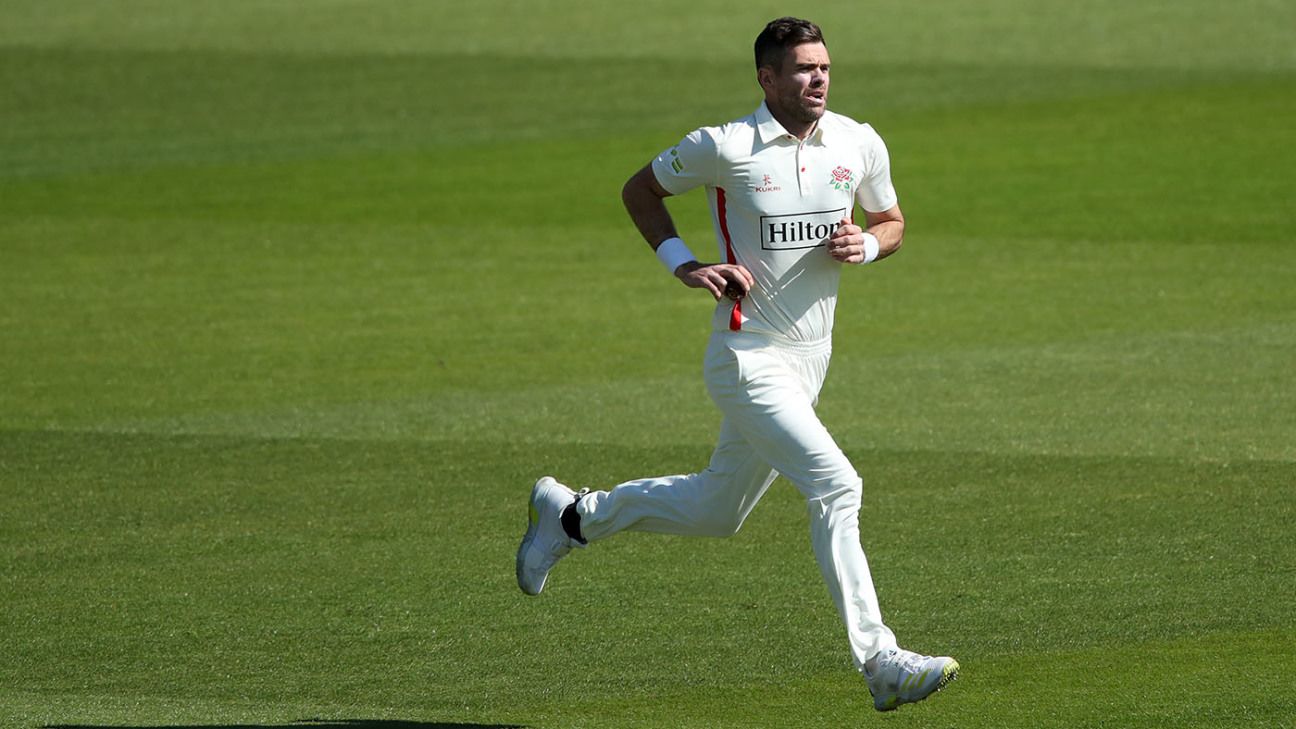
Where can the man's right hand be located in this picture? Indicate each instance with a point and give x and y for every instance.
(721, 279)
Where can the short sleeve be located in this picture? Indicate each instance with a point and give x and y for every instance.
(688, 164)
(875, 193)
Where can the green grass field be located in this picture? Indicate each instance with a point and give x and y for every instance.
(297, 299)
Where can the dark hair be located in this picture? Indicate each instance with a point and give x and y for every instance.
(782, 35)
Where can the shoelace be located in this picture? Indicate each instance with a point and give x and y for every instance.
(910, 662)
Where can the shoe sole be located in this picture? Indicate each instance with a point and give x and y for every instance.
(949, 673)
(533, 521)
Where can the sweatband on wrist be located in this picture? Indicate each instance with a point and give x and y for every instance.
(871, 246)
(673, 253)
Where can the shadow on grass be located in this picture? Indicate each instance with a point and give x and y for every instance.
(307, 724)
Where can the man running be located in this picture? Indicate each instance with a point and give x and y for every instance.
(783, 184)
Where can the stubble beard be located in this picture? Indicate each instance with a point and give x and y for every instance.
(796, 107)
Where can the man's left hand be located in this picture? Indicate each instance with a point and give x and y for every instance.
(846, 244)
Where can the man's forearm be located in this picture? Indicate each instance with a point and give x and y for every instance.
(888, 227)
(889, 234)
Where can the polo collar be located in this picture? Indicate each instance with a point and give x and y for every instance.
(769, 128)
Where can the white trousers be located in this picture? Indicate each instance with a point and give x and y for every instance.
(767, 392)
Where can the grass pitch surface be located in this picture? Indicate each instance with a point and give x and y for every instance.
(299, 299)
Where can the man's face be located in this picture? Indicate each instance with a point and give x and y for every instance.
(800, 87)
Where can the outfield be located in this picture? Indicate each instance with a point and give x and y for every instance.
(298, 299)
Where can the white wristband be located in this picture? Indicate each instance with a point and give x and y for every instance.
(673, 253)
(871, 246)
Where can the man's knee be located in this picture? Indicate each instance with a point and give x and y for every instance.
(727, 497)
(844, 496)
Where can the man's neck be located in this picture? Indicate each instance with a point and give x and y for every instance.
(800, 130)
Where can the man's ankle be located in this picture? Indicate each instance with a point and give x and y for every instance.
(571, 522)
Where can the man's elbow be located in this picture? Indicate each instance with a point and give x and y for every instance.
(641, 190)
(630, 190)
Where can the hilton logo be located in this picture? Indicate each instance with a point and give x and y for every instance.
(799, 230)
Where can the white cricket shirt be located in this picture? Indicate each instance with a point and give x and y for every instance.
(775, 200)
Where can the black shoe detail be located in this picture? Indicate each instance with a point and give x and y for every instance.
(571, 521)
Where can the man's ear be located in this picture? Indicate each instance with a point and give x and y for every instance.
(765, 77)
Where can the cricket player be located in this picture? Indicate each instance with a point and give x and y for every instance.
(783, 184)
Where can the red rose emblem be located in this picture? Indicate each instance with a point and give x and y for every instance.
(841, 179)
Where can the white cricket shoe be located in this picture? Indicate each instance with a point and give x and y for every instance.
(545, 542)
(904, 677)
